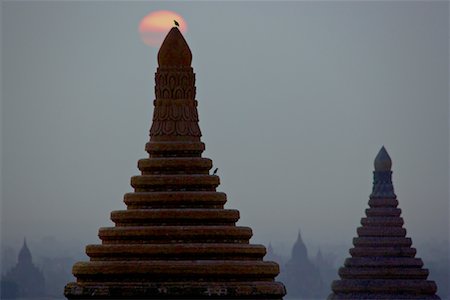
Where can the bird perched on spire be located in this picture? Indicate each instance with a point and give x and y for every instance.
(215, 171)
(176, 23)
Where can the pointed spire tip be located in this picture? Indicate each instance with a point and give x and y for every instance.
(174, 50)
(382, 162)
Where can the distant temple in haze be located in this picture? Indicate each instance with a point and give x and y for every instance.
(272, 256)
(24, 280)
(382, 263)
(300, 275)
(175, 240)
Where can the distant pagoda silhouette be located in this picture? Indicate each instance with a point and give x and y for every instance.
(28, 279)
(301, 277)
(175, 240)
(383, 263)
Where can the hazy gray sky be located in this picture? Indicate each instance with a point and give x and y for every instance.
(295, 100)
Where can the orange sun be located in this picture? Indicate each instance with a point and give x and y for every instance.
(154, 26)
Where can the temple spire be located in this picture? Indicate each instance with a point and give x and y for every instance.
(382, 176)
(25, 254)
(175, 117)
(382, 162)
(174, 50)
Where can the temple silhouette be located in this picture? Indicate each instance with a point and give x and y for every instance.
(301, 276)
(24, 279)
(383, 263)
(175, 239)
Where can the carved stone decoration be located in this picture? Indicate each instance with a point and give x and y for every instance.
(382, 263)
(175, 83)
(175, 117)
(175, 240)
(175, 112)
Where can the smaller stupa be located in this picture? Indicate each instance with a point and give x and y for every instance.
(383, 263)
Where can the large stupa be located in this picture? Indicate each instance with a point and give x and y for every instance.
(175, 240)
(383, 263)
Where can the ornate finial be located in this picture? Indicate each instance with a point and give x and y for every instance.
(176, 23)
(382, 162)
(382, 176)
(174, 51)
(175, 117)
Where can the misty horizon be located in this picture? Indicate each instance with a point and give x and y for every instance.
(295, 100)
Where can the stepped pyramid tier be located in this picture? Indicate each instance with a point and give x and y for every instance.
(383, 263)
(175, 240)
